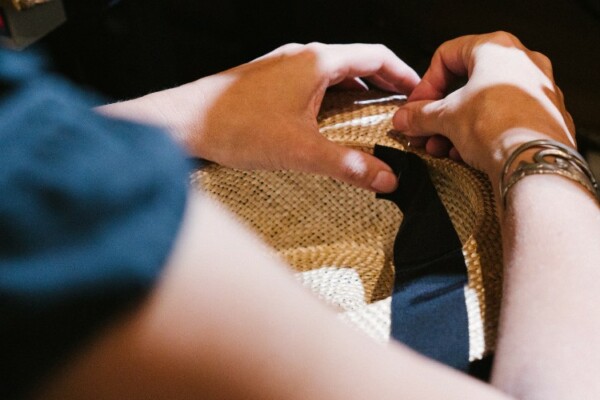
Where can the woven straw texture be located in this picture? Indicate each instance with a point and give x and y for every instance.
(339, 239)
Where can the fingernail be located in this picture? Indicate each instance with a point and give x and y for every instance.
(401, 120)
(385, 182)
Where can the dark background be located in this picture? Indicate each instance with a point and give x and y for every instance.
(139, 46)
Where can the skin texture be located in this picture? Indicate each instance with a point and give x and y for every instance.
(225, 324)
(550, 324)
(263, 114)
(510, 98)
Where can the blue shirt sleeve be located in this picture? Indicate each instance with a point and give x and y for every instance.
(89, 209)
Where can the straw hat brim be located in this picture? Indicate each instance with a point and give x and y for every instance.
(339, 238)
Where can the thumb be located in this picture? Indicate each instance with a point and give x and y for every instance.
(354, 167)
(419, 118)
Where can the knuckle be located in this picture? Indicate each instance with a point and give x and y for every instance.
(415, 118)
(286, 50)
(542, 59)
(571, 124)
(314, 47)
(437, 54)
(505, 37)
(312, 51)
(351, 174)
(290, 46)
(403, 120)
(411, 118)
(382, 48)
(444, 44)
(354, 168)
(307, 53)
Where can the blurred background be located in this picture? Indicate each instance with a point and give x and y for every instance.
(139, 46)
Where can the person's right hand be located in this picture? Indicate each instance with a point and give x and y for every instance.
(510, 98)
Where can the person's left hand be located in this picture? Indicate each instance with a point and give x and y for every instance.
(263, 114)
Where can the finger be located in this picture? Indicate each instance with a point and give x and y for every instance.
(438, 146)
(560, 94)
(570, 124)
(457, 58)
(382, 83)
(454, 154)
(352, 84)
(360, 60)
(542, 61)
(420, 118)
(434, 83)
(417, 141)
(450, 60)
(351, 166)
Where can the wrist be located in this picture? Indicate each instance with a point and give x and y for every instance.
(152, 109)
(546, 157)
(510, 140)
(177, 110)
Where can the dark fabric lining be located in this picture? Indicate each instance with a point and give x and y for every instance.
(428, 304)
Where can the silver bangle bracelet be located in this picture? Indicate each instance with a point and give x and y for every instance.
(552, 158)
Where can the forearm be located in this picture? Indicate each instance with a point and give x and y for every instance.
(551, 228)
(234, 324)
(176, 110)
(550, 325)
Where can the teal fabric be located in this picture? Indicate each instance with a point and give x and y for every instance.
(89, 209)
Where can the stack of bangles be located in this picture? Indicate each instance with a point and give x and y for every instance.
(551, 157)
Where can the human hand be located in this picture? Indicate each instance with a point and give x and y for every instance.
(263, 114)
(510, 98)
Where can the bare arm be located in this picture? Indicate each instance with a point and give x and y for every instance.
(548, 347)
(227, 324)
(263, 114)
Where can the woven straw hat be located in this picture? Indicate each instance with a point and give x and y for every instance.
(339, 239)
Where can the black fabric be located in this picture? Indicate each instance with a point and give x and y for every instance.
(428, 304)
